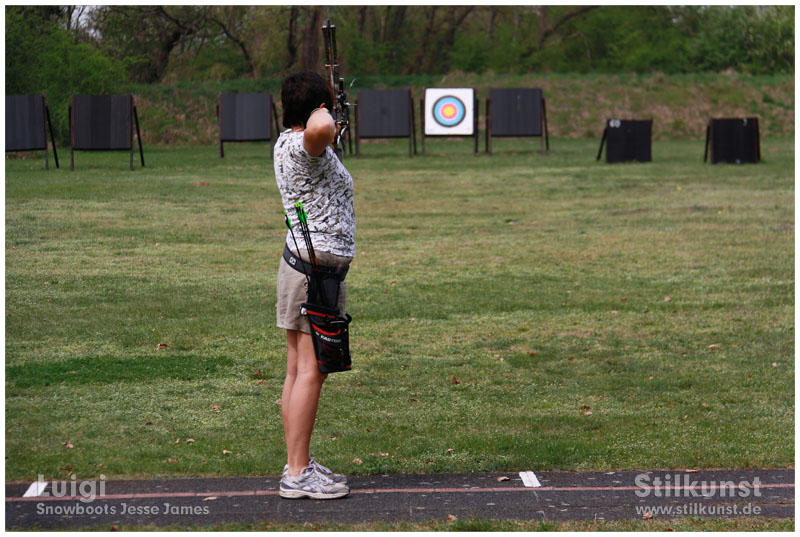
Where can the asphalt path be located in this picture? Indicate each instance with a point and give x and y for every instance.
(559, 496)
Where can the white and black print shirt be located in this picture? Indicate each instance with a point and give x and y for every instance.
(324, 187)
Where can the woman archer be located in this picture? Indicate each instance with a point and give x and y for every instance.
(308, 171)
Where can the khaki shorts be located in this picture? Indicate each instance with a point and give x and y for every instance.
(292, 290)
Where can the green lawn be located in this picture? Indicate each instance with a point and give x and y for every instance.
(511, 312)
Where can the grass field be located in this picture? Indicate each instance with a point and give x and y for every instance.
(511, 312)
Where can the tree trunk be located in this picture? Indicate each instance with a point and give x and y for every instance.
(160, 59)
(170, 34)
(490, 23)
(449, 39)
(309, 60)
(396, 24)
(68, 11)
(425, 45)
(291, 40)
(362, 19)
(385, 23)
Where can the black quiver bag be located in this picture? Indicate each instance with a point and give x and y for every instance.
(329, 329)
(331, 337)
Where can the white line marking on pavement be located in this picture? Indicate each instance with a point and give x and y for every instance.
(529, 479)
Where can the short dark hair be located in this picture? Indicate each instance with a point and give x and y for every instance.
(301, 93)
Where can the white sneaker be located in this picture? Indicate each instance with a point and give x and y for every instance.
(336, 478)
(311, 484)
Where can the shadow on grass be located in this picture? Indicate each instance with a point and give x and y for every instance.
(107, 369)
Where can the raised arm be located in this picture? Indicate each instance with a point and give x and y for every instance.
(319, 133)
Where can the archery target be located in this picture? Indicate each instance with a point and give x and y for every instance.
(449, 112)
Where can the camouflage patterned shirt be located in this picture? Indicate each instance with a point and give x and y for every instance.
(325, 188)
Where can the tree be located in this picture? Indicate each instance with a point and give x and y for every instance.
(234, 23)
(43, 57)
(305, 41)
(198, 42)
(756, 39)
(143, 37)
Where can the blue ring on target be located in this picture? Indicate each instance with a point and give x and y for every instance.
(449, 111)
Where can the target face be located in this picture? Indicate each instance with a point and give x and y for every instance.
(449, 112)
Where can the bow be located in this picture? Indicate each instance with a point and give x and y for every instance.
(341, 107)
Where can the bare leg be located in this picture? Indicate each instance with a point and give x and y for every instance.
(300, 398)
(291, 375)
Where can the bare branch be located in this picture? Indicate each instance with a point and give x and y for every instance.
(552, 29)
(239, 42)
